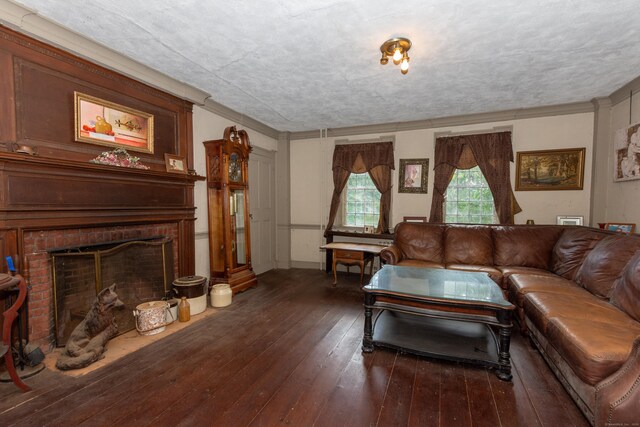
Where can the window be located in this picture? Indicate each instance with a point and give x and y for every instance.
(360, 201)
(469, 199)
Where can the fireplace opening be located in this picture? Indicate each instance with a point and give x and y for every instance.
(142, 270)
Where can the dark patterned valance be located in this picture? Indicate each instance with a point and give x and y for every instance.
(363, 157)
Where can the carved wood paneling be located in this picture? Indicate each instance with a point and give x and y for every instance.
(42, 80)
(58, 188)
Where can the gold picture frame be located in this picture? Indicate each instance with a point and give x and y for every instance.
(626, 153)
(413, 176)
(101, 122)
(550, 170)
(175, 164)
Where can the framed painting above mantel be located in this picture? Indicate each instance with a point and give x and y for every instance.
(106, 123)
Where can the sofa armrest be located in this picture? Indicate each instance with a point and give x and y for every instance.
(617, 397)
(391, 254)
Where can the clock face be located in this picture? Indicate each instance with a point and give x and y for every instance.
(235, 168)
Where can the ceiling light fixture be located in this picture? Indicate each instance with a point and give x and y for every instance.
(396, 49)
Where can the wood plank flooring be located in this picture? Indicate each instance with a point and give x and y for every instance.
(288, 353)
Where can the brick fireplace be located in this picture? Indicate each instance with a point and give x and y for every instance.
(37, 247)
(54, 195)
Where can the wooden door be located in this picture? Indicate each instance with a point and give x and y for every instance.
(262, 210)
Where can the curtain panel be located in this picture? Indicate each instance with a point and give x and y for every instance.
(493, 153)
(374, 158)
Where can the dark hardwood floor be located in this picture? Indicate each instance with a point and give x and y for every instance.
(288, 353)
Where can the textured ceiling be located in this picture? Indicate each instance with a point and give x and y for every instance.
(302, 64)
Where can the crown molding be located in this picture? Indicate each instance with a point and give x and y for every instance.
(623, 93)
(382, 138)
(28, 22)
(467, 119)
(601, 102)
(239, 118)
(495, 129)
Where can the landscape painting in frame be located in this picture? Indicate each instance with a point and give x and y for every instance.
(550, 169)
(105, 123)
(626, 156)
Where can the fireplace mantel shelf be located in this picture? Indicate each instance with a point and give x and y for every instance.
(60, 193)
(10, 157)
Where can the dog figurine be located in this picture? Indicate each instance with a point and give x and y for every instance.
(87, 341)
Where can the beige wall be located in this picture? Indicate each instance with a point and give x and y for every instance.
(312, 184)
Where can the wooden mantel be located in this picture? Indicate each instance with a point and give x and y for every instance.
(58, 188)
(39, 194)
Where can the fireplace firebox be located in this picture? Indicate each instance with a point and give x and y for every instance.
(142, 270)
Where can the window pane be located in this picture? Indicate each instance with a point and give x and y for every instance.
(361, 201)
(463, 193)
(469, 199)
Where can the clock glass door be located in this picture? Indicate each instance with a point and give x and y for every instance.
(238, 215)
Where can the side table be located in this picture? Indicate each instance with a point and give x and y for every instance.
(349, 253)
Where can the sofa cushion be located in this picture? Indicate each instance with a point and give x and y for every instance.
(468, 244)
(541, 307)
(418, 263)
(507, 271)
(526, 246)
(604, 264)
(571, 249)
(593, 349)
(626, 291)
(522, 284)
(494, 273)
(420, 241)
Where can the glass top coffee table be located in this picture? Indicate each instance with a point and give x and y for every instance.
(446, 314)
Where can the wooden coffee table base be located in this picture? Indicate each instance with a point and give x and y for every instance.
(440, 334)
(438, 338)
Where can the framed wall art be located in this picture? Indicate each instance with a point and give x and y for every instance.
(414, 219)
(569, 220)
(620, 227)
(550, 169)
(413, 176)
(626, 153)
(105, 123)
(175, 164)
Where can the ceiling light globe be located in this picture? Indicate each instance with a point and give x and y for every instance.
(404, 66)
(397, 56)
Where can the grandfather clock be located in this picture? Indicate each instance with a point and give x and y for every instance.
(228, 202)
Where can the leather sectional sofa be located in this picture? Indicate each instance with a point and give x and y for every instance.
(576, 292)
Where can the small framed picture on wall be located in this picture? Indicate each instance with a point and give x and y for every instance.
(413, 176)
(569, 220)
